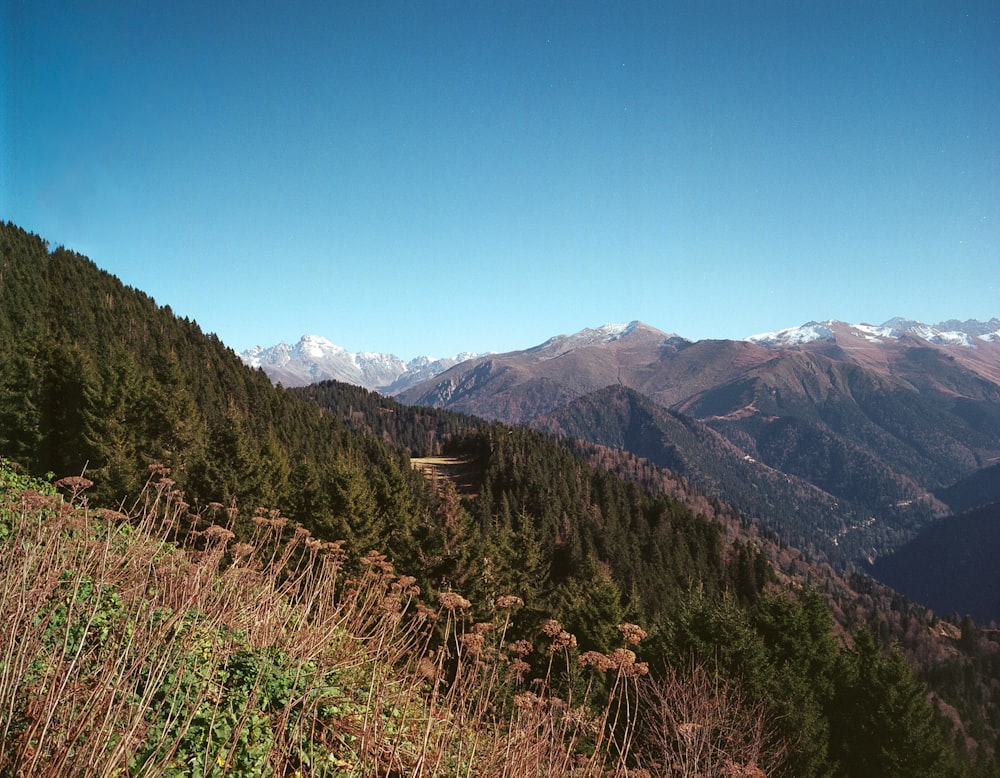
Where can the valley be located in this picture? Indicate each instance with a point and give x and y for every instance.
(865, 425)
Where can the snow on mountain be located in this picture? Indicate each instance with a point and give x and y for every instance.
(949, 333)
(315, 358)
(607, 333)
(794, 336)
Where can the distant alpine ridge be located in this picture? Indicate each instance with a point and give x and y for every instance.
(315, 358)
(947, 333)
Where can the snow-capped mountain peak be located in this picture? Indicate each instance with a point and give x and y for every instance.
(315, 358)
(794, 336)
(606, 333)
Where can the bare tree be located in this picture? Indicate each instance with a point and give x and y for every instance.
(698, 724)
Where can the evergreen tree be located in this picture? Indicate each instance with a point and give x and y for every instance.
(881, 721)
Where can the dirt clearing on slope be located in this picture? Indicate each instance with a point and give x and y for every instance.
(459, 471)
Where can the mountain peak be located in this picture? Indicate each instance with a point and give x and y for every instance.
(794, 336)
(599, 336)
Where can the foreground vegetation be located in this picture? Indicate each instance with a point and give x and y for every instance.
(156, 642)
(128, 654)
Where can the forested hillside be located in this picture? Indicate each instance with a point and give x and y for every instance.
(960, 664)
(97, 379)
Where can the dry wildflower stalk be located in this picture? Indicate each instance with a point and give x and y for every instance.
(459, 688)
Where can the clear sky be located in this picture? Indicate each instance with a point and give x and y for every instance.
(429, 177)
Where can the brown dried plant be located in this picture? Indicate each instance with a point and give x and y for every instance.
(107, 612)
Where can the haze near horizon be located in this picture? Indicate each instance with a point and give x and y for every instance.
(438, 178)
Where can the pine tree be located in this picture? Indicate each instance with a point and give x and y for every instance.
(881, 721)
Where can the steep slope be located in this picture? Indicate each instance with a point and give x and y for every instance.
(980, 488)
(622, 418)
(875, 421)
(953, 566)
(96, 378)
(835, 422)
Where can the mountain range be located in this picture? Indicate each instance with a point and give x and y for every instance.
(315, 358)
(844, 438)
(849, 428)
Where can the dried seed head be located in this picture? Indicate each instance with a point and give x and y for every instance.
(109, 515)
(473, 642)
(508, 601)
(737, 770)
(32, 500)
(518, 668)
(216, 534)
(521, 647)
(562, 641)
(596, 660)
(404, 582)
(407, 586)
(632, 633)
(74, 484)
(453, 601)
(552, 628)
(639, 668)
(426, 669)
(425, 612)
(622, 657)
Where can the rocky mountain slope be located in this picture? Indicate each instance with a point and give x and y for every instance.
(874, 418)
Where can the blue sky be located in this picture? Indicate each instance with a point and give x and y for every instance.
(427, 178)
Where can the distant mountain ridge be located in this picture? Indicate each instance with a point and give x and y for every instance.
(315, 358)
(951, 332)
(847, 434)
(874, 418)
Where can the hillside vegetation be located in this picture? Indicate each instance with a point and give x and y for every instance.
(129, 654)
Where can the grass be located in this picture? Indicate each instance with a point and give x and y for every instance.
(154, 642)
